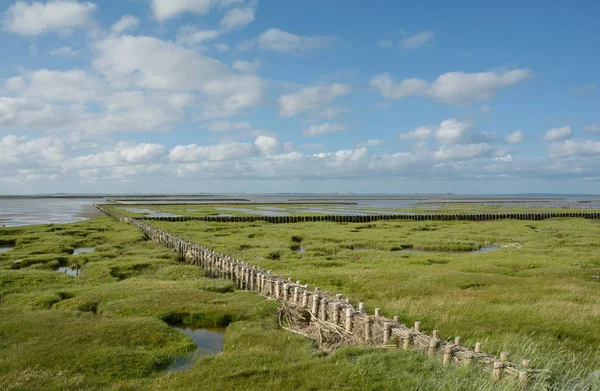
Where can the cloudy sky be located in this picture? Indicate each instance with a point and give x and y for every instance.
(299, 96)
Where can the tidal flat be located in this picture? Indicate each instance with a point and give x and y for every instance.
(111, 326)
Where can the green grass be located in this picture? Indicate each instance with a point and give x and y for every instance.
(108, 328)
(537, 287)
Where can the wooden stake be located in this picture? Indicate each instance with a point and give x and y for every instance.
(349, 315)
(315, 305)
(397, 319)
(498, 370)
(447, 355)
(436, 334)
(407, 342)
(477, 347)
(336, 313)
(377, 311)
(418, 326)
(361, 307)
(458, 341)
(367, 329)
(504, 356)
(387, 332)
(433, 345)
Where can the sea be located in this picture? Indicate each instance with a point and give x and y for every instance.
(51, 209)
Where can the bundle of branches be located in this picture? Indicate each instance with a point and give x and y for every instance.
(329, 336)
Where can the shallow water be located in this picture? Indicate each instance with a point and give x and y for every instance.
(6, 249)
(30, 211)
(84, 250)
(255, 212)
(68, 271)
(480, 251)
(209, 342)
(150, 213)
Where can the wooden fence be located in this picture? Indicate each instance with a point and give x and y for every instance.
(326, 307)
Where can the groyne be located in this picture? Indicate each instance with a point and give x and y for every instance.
(334, 310)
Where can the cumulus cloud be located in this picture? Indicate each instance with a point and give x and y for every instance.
(311, 99)
(39, 18)
(166, 9)
(464, 152)
(190, 36)
(324, 128)
(453, 88)
(287, 43)
(557, 134)
(148, 62)
(417, 40)
(420, 133)
(515, 138)
(569, 148)
(267, 145)
(213, 153)
(592, 129)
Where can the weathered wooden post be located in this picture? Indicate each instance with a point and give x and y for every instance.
(349, 315)
(277, 289)
(433, 345)
(377, 311)
(408, 340)
(296, 294)
(361, 307)
(305, 296)
(498, 370)
(286, 292)
(448, 349)
(504, 356)
(396, 319)
(418, 326)
(458, 341)
(387, 332)
(336, 313)
(477, 347)
(368, 334)
(324, 304)
(315, 306)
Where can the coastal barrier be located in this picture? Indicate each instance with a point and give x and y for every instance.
(325, 308)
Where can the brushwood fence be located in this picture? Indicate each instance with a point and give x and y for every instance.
(372, 329)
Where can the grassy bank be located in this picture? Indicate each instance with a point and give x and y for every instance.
(536, 296)
(108, 328)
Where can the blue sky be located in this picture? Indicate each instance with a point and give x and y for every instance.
(305, 96)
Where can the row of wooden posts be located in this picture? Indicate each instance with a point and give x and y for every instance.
(375, 329)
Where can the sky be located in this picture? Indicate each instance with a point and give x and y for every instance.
(255, 96)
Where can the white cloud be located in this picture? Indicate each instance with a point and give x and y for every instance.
(225, 126)
(452, 131)
(370, 143)
(557, 134)
(64, 51)
(420, 133)
(464, 152)
(485, 109)
(166, 9)
(190, 36)
(591, 129)
(246, 66)
(267, 145)
(238, 18)
(147, 62)
(287, 43)
(127, 22)
(386, 43)
(213, 153)
(417, 40)
(22, 152)
(38, 18)
(454, 88)
(311, 99)
(324, 128)
(569, 148)
(515, 138)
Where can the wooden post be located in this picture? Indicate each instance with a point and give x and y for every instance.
(477, 347)
(349, 315)
(387, 331)
(397, 319)
(504, 356)
(436, 334)
(525, 363)
(407, 342)
(324, 304)
(361, 308)
(433, 345)
(447, 355)
(339, 297)
(523, 378)
(367, 329)
(277, 289)
(377, 311)
(315, 306)
(458, 341)
(347, 300)
(498, 370)
(286, 292)
(296, 294)
(336, 313)
(305, 299)
(418, 326)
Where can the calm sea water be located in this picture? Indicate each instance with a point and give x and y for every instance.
(31, 211)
